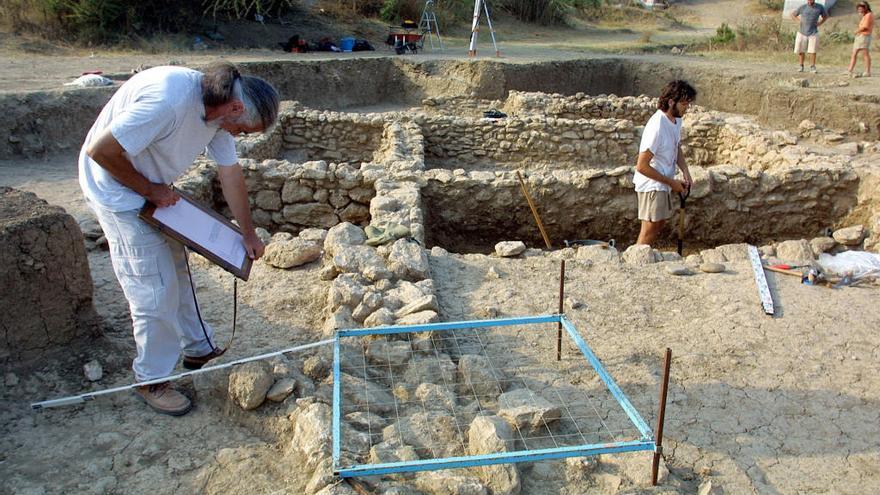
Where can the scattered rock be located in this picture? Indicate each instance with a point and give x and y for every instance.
(281, 390)
(525, 410)
(395, 353)
(678, 269)
(312, 431)
(488, 435)
(432, 433)
(821, 245)
(712, 267)
(430, 369)
(446, 482)
(436, 397)
(316, 367)
(346, 290)
(669, 256)
(264, 235)
(767, 250)
(693, 259)
(382, 317)
(420, 318)
(477, 376)
(288, 254)
(794, 251)
(712, 256)
(734, 252)
(366, 394)
(340, 318)
(507, 249)
(850, 236)
(93, 370)
(249, 383)
(638, 254)
(366, 421)
(392, 451)
(598, 254)
(439, 252)
(493, 272)
(709, 488)
(579, 469)
(423, 303)
(572, 303)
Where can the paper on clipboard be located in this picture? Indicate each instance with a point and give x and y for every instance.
(205, 230)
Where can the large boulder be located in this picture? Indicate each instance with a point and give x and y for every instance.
(508, 249)
(366, 394)
(639, 254)
(526, 410)
(794, 251)
(249, 383)
(312, 432)
(44, 272)
(408, 260)
(344, 234)
(288, 254)
(850, 236)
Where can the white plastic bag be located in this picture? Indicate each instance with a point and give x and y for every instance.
(858, 263)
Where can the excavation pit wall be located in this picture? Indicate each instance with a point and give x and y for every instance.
(472, 211)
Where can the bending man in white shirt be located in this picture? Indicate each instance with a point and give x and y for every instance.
(147, 136)
(659, 153)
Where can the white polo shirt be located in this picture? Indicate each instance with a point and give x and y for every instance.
(661, 137)
(158, 118)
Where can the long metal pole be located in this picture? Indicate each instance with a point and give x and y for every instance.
(475, 28)
(561, 296)
(660, 418)
(525, 191)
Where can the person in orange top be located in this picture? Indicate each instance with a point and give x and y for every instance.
(862, 42)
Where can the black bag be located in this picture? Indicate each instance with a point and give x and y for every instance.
(362, 46)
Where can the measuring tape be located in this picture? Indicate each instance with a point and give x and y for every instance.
(79, 399)
(761, 281)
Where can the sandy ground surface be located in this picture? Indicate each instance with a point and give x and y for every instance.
(758, 404)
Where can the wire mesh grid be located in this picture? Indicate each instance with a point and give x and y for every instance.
(411, 397)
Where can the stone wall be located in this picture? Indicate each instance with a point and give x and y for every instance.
(289, 197)
(531, 142)
(471, 211)
(44, 272)
(332, 136)
(580, 106)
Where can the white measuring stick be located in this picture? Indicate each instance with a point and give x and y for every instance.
(761, 280)
(79, 399)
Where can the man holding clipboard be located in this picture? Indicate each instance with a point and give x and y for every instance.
(147, 135)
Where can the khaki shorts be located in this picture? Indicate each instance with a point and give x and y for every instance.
(655, 206)
(862, 42)
(807, 44)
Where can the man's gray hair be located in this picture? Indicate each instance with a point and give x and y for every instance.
(260, 101)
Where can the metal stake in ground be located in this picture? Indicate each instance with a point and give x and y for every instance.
(525, 191)
(660, 417)
(561, 296)
(683, 198)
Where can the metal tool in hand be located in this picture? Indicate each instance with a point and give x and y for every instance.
(682, 197)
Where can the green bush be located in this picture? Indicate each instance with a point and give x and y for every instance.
(114, 21)
(723, 35)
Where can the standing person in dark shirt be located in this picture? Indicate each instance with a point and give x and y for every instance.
(810, 15)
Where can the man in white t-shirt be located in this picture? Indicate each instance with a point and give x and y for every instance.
(659, 154)
(147, 136)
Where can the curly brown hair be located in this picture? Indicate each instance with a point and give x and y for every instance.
(676, 91)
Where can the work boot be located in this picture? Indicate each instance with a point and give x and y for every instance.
(163, 398)
(196, 362)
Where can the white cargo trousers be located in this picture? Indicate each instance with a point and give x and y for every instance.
(151, 268)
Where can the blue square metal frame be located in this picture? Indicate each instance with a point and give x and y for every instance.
(644, 443)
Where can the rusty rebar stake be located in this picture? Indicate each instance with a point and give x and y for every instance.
(525, 191)
(655, 464)
(559, 324)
